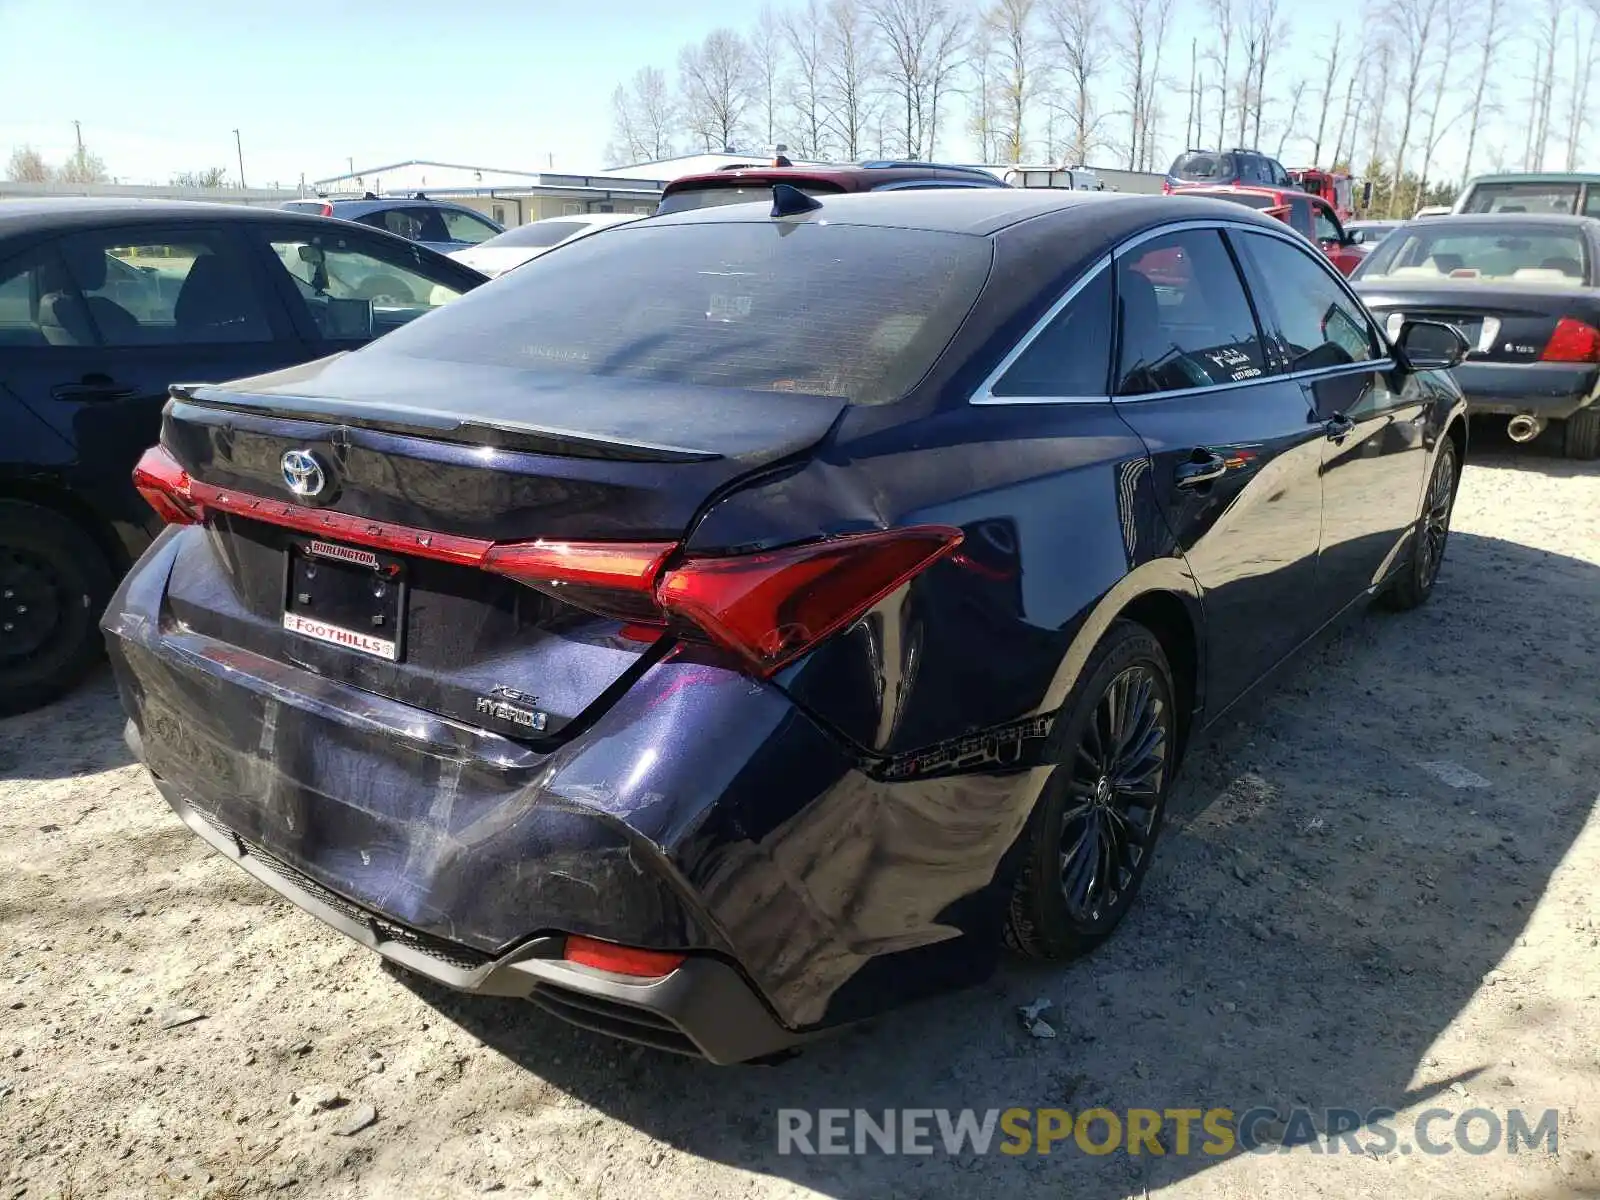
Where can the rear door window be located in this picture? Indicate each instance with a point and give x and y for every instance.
(852, 312)
(1313, 320)
(1183, 318)
(40, 305)
(460, 226)
(146, 289)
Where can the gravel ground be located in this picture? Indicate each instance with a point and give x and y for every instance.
(1332, 920)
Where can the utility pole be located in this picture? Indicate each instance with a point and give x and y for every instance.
(239, 146)
(77, 127)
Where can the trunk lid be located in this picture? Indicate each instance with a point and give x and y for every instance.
(465, 456)
(1502, 323)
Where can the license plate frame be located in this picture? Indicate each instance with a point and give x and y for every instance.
(345, 596)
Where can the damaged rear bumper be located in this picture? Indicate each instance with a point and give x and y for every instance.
(704, 1008)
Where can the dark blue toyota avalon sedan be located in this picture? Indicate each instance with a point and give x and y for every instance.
(748, 621)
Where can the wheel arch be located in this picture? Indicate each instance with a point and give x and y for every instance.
(51, 494)
(1163, 597)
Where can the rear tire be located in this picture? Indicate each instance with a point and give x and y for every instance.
(1093, 832)
(54, 584)
(1415, 582)
(1581, 436)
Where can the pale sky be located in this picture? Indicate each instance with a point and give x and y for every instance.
(160, 86)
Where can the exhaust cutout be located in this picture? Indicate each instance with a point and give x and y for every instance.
(1524, 427)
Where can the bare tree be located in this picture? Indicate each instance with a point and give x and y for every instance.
(208, 179)
(715, 78)
(27, 165)
(802, 31)
(912, 32)
(1295, 96)
(1077, 38)
(1342, 153)
(1151, 112)
(83, 167)
(944, 60)
(643, 118)
(1489, 34)
(1414, 23)
(984, 87)
(1138, 52)
(1015, 45)
(1326, 104)
(1449, 25)
(1583, 72)
(766, 65)
(1263, 36)
(1222, 17)
(850, 72)
(1194, 83)
(1545, 89)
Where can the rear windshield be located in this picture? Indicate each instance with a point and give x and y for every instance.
(1523, 197)
(1496, 253)
(536, 234)
(846, 311)
(1203, 165)
(1248, 199)
(710, 195)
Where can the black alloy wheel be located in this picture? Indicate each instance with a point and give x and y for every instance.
(1115, 788)
(1093, 831)
(1415, 582)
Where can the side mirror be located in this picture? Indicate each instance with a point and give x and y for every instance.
(1432, 345)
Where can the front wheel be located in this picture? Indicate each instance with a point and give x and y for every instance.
(54, 583)
(1095, 826)
(1415, 582)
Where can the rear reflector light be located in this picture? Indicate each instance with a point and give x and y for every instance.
(621, 960)
(1573, 341)
(166, 487)
(772, 607)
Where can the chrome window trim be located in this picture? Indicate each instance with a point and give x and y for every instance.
(984, 393)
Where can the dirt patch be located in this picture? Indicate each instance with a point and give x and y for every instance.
(1376, 889)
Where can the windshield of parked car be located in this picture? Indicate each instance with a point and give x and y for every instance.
(535, 235)
(710, 195)
(1490, 253)
(847, 311)
(1203, 165)
(1523, 197)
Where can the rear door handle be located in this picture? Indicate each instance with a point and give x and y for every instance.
(1203, 466)
(105, 390)
(1338, 427)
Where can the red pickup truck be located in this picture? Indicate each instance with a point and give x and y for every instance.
(1307, 214)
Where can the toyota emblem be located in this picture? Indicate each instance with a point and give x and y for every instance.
(303, 473)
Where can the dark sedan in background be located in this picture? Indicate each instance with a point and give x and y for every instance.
(741, 623)
(103, 304)
(1524, 289)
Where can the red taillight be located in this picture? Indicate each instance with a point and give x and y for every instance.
(769, 608)
(327, 210)
(772, 607)
(616, 579)
(1572, 341)
(1166, 187)
(621, 960)
(165, 486)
